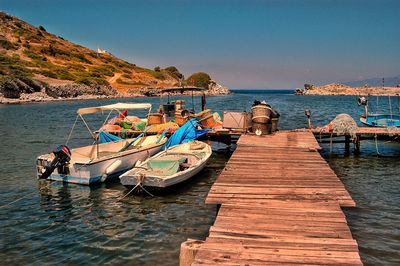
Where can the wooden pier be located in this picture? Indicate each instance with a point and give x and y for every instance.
(279, 203)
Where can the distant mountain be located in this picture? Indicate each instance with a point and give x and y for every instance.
(375, 82)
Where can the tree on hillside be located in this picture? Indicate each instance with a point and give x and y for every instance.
(173, 71)
(199, 79)
(308, 86)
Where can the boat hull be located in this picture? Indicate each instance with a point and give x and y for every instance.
(154, 182)
(381, 120)
(87, 174)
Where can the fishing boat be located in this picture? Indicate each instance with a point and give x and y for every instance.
(378, 119)
(107, 157)
(168, 168)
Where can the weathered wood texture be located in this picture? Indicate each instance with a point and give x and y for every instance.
(363, 131)
(280, 204)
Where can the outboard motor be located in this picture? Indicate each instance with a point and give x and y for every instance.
(63, 156)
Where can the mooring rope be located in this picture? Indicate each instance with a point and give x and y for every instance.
(139, 184)
(130, 191)
(376, 145)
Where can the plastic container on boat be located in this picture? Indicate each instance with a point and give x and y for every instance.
(261, 113)
(203, 114)
(155, 119)
(208, 121)
(179, 119)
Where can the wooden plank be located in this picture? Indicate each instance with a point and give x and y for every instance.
(280, 205)
(282, 250)
(248, 258)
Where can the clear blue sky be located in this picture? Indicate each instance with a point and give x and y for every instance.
(243, 44)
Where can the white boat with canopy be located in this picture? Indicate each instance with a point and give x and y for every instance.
(108, 156)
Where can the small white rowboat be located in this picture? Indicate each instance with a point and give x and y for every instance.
(168, 168)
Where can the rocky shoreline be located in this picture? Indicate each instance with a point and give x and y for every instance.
(341, 89)
(17, 91)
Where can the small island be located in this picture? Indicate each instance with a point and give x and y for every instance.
(342, 89)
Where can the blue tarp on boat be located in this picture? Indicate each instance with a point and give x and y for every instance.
(105, 137)
(186, 133)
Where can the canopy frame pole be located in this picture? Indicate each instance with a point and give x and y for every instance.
(88, 128)
(72, 129)
(193, 102)
(108, 116)
(147, 120)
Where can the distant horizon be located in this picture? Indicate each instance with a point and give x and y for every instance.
(284, 44)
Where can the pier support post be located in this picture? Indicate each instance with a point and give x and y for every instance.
(347, 144)
(189, 250)
(357, 145)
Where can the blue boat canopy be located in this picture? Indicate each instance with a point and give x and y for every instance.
(186, 133)
(105, 137)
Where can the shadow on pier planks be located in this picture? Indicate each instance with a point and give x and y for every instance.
(280, 202)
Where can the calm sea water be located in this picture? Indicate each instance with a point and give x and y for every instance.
(53, 223)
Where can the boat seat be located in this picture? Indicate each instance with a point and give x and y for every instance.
(164, 167)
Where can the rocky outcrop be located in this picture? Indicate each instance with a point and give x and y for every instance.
(341, 89)
(217, 89)
(75, 90)
(21, 90)
(13, 87)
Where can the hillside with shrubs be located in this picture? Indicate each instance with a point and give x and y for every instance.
(34, 60)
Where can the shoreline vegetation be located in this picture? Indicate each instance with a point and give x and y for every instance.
(37, 66)
(341, 89)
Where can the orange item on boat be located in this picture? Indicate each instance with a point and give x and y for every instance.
(108, 128)
(172, 127)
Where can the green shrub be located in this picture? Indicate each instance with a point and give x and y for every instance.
(64, 74)
(127, 70)
(42, 28)
(48, 73)
(174, 72)
(136, 83)
(126, 76)
(76, 67)
(199, 79)
(91, 81)
(157, 75)
(308, 86)
(33, 55)
(8, 45)
(157, 69)
(81, 58)
(102, 70)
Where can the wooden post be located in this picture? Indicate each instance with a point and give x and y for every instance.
(189, 250)
(357, 145)
(347, 144)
